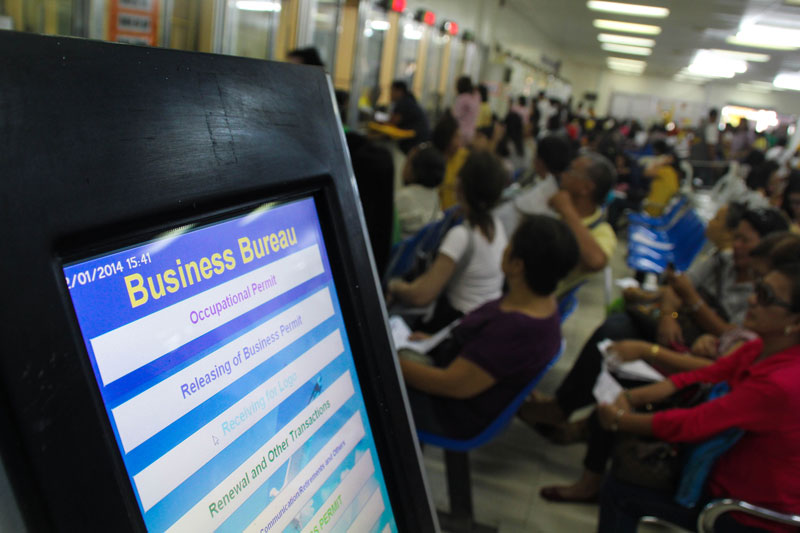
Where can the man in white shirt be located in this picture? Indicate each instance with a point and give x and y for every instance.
(553, 156)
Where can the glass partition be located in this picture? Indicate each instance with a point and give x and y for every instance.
(250, 28)
(431, 99)
(325, 20)
(407, 50)
(368, 61)
(454, 70)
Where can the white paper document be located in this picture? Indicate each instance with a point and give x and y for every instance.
(637, 370)
(606, 389)
(627, 283)
(401, 332)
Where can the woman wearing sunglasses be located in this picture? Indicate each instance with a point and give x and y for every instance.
(763, 467)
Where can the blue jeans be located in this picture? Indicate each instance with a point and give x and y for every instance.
(622, 505)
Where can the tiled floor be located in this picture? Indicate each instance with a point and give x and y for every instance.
(508, 472)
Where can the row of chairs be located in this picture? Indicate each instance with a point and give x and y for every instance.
(675, 238)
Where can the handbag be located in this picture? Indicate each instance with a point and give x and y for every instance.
(649, 462)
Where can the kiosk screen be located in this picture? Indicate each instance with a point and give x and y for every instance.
(223, 362)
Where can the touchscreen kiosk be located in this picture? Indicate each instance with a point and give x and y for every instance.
(200, 344)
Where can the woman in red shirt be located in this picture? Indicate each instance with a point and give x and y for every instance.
(763, 468)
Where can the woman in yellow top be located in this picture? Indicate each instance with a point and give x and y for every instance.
(485, 114)
(447, 139)
(664, 179)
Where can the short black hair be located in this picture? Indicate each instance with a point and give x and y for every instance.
(758, 177)
(753, 158)
(602, 173)
(779, 248)
(307, 56)
(428, 167)
(444, 131)
(400, 85)
(464, 85)
(548, 249)
(660, 147)
(765, 220)
(555, 152)
(767, 244)
(734, 215)
(484, 91)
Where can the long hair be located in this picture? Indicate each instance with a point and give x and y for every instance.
(482, 178)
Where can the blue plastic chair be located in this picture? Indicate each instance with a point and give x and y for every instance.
(456, 455)
(651, 250)
(425, 241)
(662, 220)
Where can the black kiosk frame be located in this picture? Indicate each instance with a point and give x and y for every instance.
(106, 145)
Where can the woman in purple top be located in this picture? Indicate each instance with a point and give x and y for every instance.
(501, 346)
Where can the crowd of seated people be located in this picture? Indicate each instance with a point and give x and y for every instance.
(543, 175)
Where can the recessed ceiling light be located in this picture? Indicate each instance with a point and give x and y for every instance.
(625, 49)
(770, 37)
(713, 65)
(628, 9)
(627, 27)
(746, 56)
(624, 39)
(787, 80)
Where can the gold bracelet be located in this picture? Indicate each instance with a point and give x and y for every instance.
(654, 351)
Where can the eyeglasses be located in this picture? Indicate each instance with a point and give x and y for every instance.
(765, 296)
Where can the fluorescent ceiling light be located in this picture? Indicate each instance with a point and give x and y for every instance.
(626, 61)
(626, 70)
(628, 9)
(746, 56)
(380, 25)
(625, 65)
(625, 49)
(713, 65)
(787, 80)
(624, 39)
(753, 88)
(627, 27)
(770, 37)
(258, 5)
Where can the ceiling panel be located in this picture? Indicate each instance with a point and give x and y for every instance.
(691, 25)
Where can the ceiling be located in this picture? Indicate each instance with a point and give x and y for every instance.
(690, 26)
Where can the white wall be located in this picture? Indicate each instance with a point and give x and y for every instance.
(713, 94)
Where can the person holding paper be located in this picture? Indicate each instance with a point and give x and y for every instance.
(763, 467)
(501, 346)
(728, 282)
